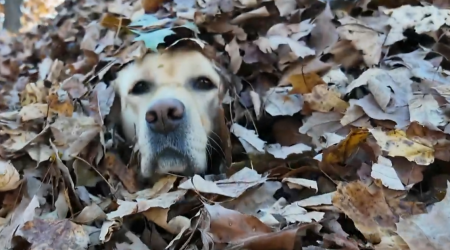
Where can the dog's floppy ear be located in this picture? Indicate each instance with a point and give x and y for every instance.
(228, 82)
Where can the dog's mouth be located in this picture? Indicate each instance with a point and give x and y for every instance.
(170, 160)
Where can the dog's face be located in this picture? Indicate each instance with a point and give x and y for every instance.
(169, 102)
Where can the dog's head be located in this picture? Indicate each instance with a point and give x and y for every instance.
(169, 105)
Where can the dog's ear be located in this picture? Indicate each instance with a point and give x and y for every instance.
(225, 140)
(113, 118)
(228, 82)
(231, 83)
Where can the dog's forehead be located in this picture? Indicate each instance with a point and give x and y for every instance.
(168, 68)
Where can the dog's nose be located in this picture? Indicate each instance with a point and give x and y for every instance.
(165, 115)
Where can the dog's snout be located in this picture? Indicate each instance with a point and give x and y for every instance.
(165, 115)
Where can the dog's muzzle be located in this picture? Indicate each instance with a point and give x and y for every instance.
(167, 124)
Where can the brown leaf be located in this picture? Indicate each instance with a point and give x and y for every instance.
(323, 99)
(151, 6)
(127, 175)
(113, 22)
(345, 148)
(368, 208)
(60, 102)
(69, 235)
(304, 83)
(228, 226)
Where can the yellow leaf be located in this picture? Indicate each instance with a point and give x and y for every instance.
(324, 100)
(346, 147)
(33, 93)
(62, 107)
(395, 143)
(151, 6)
(304, 83)
(113, 22)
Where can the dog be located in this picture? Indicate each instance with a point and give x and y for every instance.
(170, 105)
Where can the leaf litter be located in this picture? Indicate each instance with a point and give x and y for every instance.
(339, 128)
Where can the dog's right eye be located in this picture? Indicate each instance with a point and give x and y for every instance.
(203, 83)
(140, 87)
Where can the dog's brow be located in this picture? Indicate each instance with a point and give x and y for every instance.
(147, 82)
(194, 78)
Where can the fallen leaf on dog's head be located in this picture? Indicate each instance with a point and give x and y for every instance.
(155, 38)
(395, 143)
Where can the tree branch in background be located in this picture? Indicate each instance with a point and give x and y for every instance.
(12, 15)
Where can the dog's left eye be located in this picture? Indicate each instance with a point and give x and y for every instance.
(203, 83)
(140, 87)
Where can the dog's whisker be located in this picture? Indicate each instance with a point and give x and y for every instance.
(217, 135)
(218, 145)
(208, 150)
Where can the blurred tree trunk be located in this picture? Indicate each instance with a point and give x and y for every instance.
(12, 15)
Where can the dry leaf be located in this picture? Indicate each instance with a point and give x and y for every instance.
(395, 143)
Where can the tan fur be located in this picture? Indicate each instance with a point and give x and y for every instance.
(170, 73)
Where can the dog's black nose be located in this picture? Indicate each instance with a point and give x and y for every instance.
(165, 115)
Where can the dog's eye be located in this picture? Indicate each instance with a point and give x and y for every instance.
(140, 87)
(203, 83)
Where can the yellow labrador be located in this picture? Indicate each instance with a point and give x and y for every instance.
(169, 103)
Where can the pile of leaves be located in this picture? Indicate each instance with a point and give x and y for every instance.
(338, 119)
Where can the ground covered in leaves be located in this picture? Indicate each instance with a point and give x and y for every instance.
(338, 120)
